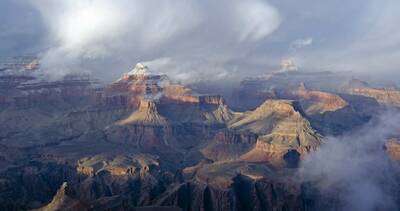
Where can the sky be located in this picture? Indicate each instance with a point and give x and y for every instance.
(194, 39)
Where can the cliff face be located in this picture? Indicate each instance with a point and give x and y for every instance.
(146, 114)
(229, 145)
(118, 165)
(63, 201)
(242, 194)
(67, 92)
(392, 147)
(331, 107)
(276, 133)
(252, 92)
(285, 136)
(222, 186)
(387, 97)
(157, 124)
(315, 102)
(384, 96)
(163, 114)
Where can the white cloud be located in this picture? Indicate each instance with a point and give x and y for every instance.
(81, 30)
(355, 169)
(359, 35)
(300, 43)
(256, 19)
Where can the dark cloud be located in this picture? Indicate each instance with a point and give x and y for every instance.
(21, 30)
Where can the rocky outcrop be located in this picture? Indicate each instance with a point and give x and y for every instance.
(141, 135)
(315, 102)
(388, 97)
(244, 195)
(384, 96)
(237, 186)
(252, 92)
(233, 137)
(146, 114)
(72, 90)
(194, 99)
(118, 165)
(144, 128)
(32, 184)
(392, 147)
(330, 107)
(63, 201)
(285, 136)
(228, 145)
(142, 84)
(132, 87)
(166, 123)
(262, 119)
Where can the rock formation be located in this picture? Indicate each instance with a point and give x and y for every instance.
(284, 134)
(146, 114)
(147, 143)
(118, 165)
(384, 96)
(315, 102)
(63, 201)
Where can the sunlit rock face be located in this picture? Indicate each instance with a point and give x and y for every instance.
(315, 102)
(118, 165)
(133, 86)
(392, 147)
(384, 96)
(161, 112)
(282, 131)
(324, 96)
(64, 200)
(387, 97)
(141, 83)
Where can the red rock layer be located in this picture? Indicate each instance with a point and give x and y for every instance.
(318, 101)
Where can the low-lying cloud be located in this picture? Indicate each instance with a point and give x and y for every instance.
(355, 168)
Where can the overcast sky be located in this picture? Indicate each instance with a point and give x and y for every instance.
(197, 38)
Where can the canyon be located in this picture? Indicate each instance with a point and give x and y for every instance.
(145, 142)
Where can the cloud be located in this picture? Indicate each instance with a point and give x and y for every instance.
(355, 169)
(300, 43)
(107, 37)
(251, 19)
(81, 31)
(362, 38)
(191, 71)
